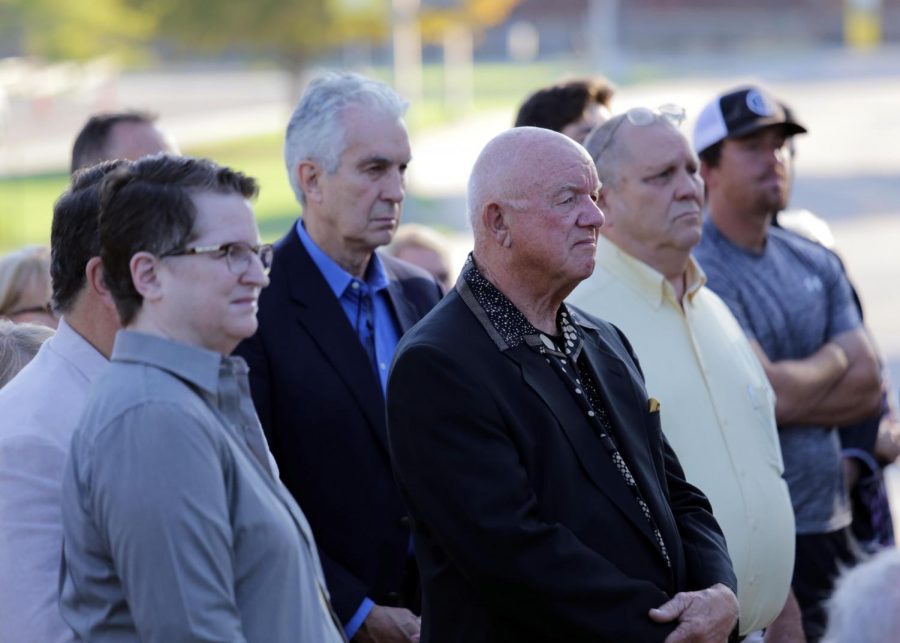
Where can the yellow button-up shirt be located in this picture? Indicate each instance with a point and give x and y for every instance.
(717, 411)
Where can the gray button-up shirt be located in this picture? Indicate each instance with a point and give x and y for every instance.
(174, 527)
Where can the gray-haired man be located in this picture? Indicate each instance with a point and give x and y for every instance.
(328, 326)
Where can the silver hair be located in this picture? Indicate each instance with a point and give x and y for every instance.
(19, 343)
(315, 131)
(865, 606)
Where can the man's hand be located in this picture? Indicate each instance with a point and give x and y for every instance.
(389, 625)
(887, 446)
(707, 616)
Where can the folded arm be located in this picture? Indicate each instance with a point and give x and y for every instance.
(838, 384)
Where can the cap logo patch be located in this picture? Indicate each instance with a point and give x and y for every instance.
(759, 104)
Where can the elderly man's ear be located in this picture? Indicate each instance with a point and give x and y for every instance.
(495, 222)
(309, 174)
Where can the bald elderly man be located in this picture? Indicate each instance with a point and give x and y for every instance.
(545, 502)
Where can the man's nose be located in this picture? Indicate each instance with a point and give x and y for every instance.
(255, 274)
(689, 186)
(592, 216)
(394, 187)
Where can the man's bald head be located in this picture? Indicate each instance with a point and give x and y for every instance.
(532, 203)
(512, 164)
(610, 150)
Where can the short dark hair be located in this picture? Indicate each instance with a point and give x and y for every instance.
(91, 142)
(712, 155)
(148, 206)
(74, 237)
(557, 106)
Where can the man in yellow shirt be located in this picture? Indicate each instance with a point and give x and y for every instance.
(716, 406)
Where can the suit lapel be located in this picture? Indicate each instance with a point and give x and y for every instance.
(587, 446)
(406, 312)
(628, 417)
(320, 314)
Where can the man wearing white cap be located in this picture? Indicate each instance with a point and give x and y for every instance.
(793, 301)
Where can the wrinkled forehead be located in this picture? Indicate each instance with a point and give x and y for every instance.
(553, 175)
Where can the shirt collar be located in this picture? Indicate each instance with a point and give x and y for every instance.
(645, 280)
(69, 343)
(506, 324)
(195, 365)
(335, 276)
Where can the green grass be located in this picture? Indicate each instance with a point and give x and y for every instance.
(26, 203)
(26, 208)
(261, 158)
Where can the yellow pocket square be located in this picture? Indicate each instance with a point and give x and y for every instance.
(653, 404)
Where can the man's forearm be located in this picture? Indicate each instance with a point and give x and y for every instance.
(800, 385)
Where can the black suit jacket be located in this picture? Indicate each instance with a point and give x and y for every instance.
(322, 409)
(524, 529)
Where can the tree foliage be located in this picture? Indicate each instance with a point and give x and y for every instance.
(288, 30)
(76, 29)
(473, 14)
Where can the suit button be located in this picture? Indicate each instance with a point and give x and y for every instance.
(404, 522)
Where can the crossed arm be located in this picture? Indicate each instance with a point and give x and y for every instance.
(838, 384)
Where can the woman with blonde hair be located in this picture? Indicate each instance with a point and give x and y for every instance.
(19, 343)
(25, 286)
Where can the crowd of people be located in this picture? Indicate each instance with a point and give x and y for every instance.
(647, 409)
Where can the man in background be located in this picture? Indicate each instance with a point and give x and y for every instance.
(40, 408)
(119, 135)
(328, 327)
(572, 108)
(426, 248)
(716, 406)
(792, 300)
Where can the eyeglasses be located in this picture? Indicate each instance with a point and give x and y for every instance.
(643, 116)
(237, 254)
(46, 309)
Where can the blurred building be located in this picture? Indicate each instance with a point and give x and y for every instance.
(649, 26)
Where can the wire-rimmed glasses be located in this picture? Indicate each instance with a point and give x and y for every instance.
(237, 254)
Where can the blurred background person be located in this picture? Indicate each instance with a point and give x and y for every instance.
(127, 135)
(424, 247)
(572, 108)
(19, 343)
(872, 444)
(865, 605)
(25, 286)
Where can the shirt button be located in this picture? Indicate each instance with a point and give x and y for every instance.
(578, 390)
(382, 365)
(591, 414)
(354, 285)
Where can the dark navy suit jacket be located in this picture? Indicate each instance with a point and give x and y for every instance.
(322, 408)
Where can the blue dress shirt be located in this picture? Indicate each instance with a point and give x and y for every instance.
(352, 293)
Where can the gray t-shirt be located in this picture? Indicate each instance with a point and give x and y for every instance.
(791, 298)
